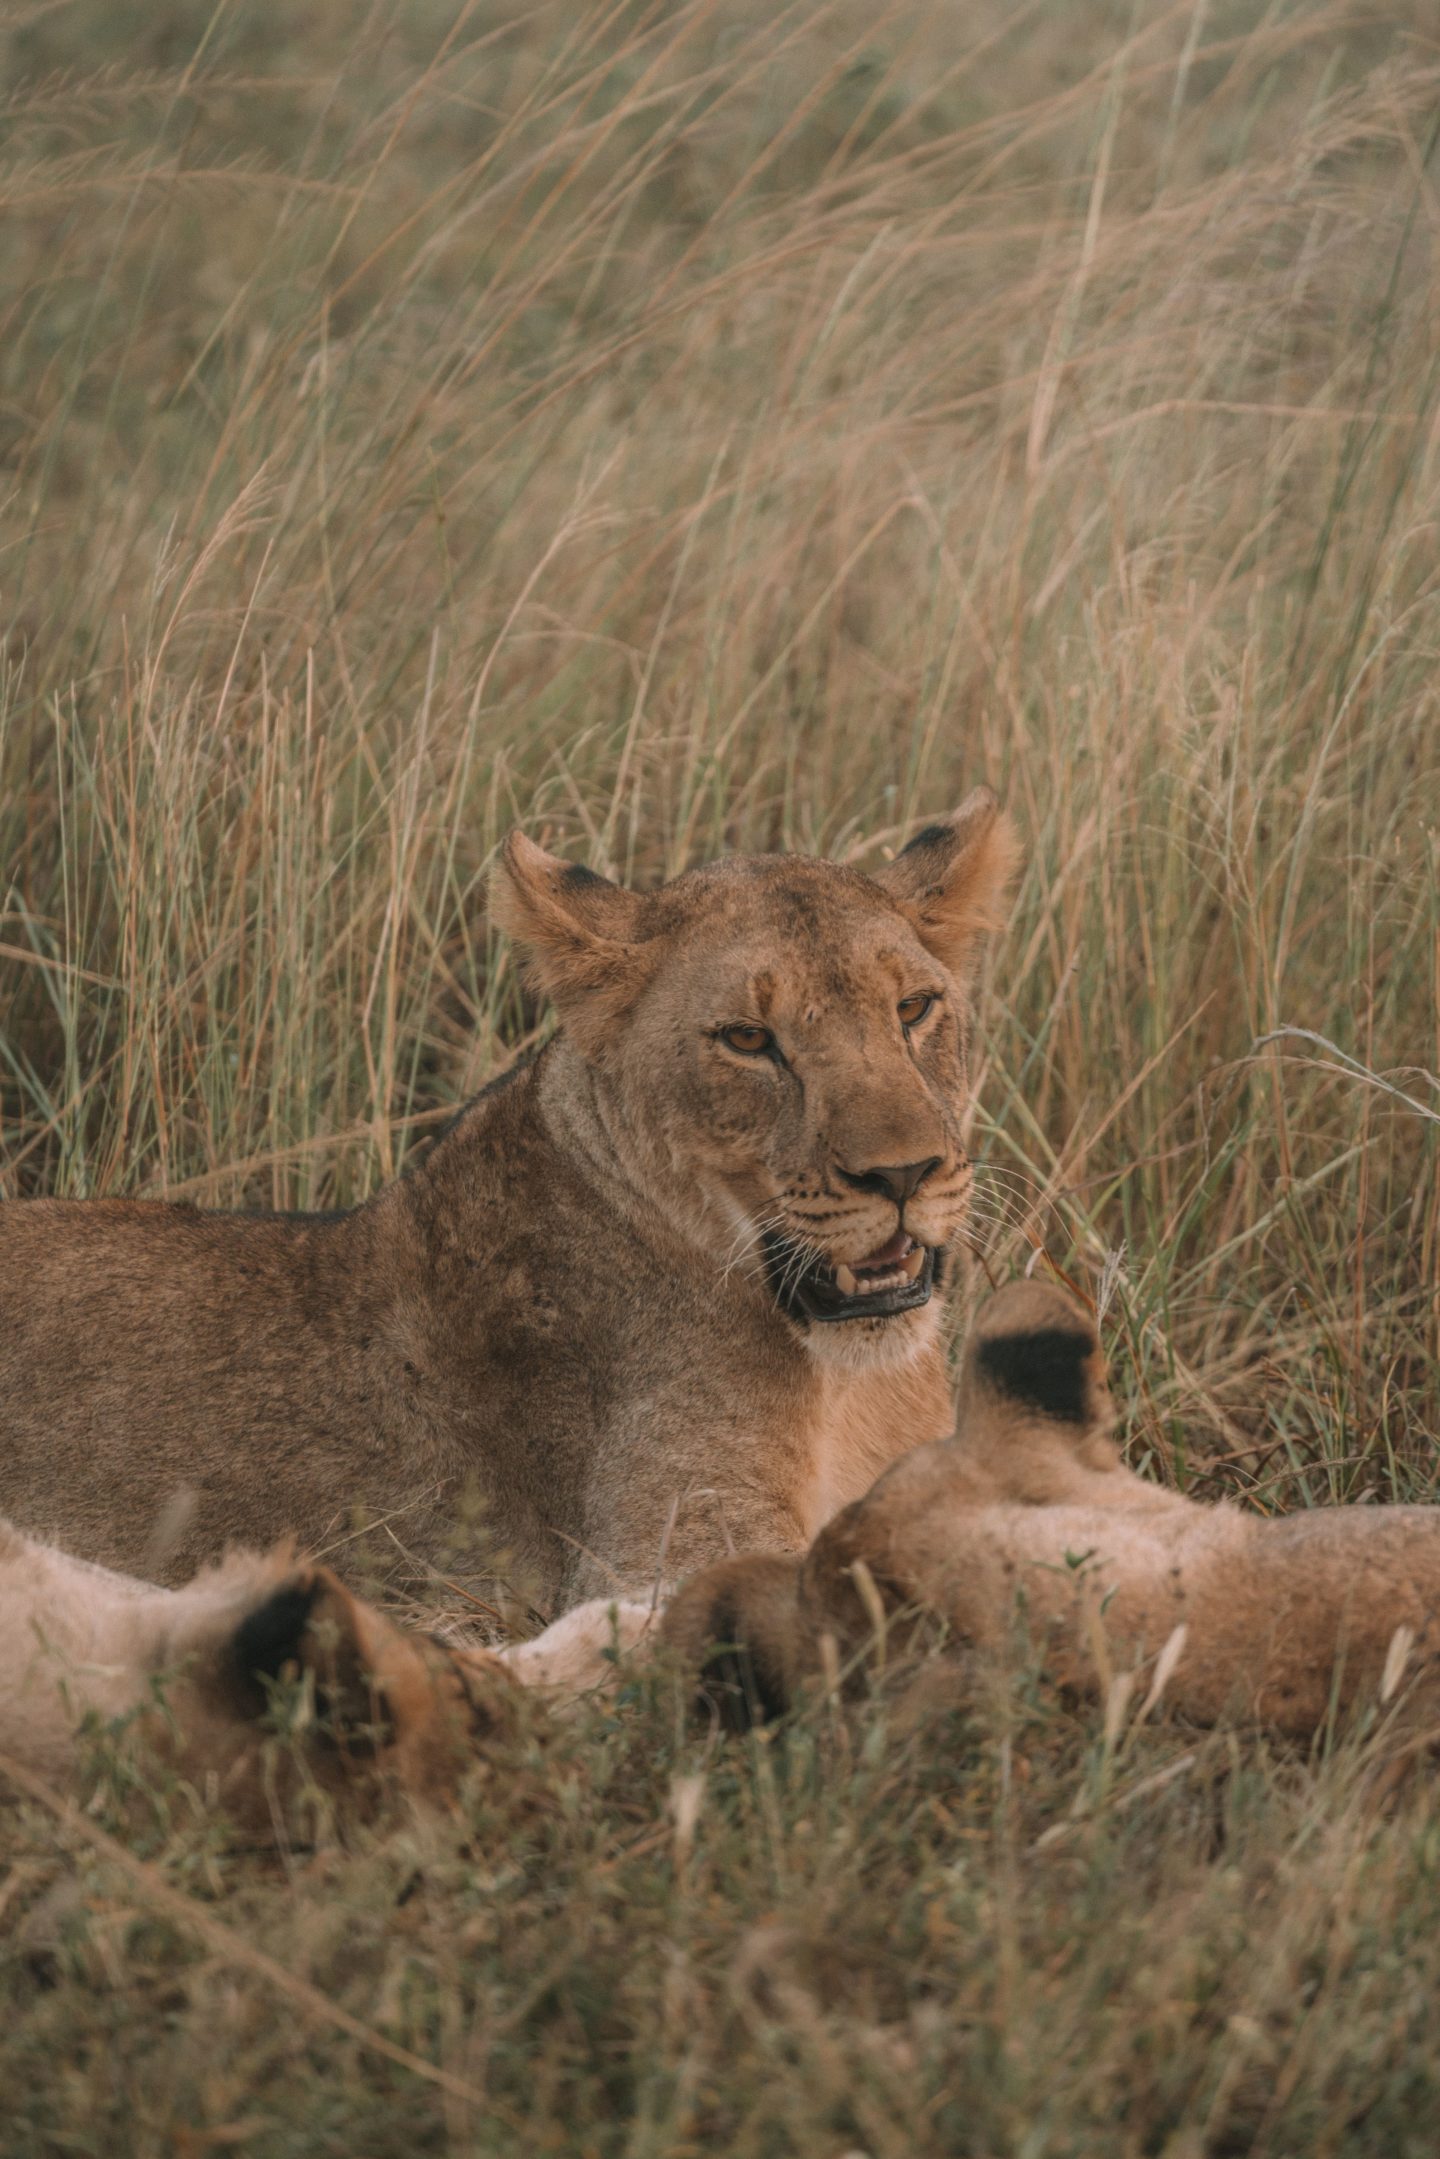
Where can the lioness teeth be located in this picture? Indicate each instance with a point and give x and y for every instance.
(871, 1280)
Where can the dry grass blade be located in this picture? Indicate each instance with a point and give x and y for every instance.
(223, 1942)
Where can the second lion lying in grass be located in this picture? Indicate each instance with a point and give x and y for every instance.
(1028, 1514)
(84, 1651)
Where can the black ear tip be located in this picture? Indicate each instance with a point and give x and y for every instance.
(268, 1638)
(928, 836)
(1042, 1369)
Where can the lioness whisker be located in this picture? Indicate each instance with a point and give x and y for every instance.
(798, 1257)
(1000, 1209)
(748, 1236)
(1011, 1176)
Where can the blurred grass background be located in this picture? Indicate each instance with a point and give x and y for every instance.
(681, 427)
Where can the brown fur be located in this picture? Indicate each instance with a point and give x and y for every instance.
(387, 1710)
(1028, 1519)
(565, 1305)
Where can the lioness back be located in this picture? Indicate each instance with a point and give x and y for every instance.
(163, 1366)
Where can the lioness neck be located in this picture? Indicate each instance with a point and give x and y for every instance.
(865, 1420)
(586, 1118)
(592, 1127)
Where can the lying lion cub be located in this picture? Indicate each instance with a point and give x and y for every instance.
(670, 1289)
(393, 1709)
(1029, 1513)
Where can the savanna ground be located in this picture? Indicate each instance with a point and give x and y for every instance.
(712, 425)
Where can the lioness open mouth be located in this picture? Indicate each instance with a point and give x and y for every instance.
(896, 1277)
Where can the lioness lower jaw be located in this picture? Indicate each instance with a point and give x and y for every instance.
(897, 1277)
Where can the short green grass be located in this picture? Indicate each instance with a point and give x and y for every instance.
(697, 426)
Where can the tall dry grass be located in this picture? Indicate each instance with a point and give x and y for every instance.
(708, 425)
(699, 427)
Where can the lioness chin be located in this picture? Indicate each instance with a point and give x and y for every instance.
(668, 1290)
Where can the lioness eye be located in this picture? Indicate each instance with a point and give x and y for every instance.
(749, 1041)
(913, 1009)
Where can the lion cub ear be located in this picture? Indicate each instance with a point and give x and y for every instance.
(951, 879)
(311, 1623)
(583, 935)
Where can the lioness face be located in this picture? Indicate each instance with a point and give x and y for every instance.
(815, 1081)
(788, 1039)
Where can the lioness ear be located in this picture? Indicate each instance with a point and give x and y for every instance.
(582, 933)
(312, 1623)
(952, 877)
(1033, 1353)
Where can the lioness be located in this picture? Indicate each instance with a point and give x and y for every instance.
(78, 1642)
(1029, 1515)
(666, 1291)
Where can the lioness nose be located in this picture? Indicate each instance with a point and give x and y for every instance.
(897, 1180)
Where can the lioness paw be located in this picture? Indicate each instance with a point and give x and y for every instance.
(736, 1627)
(582, 1650)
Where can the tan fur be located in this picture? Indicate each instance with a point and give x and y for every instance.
(579, 1652)
(566, 1305)
(79, 1642)
(856, 1419)
(1029, 1522)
